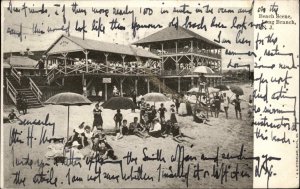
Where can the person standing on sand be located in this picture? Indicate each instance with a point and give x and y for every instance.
(98, 121)
(118, 119)
(133, 96)
(226, 102)
(173, 116)
(237, 105)
(217, 101)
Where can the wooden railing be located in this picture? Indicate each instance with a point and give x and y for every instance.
(51, 76)
(34, 88)
(185, 50)
(14, 73)
(11, 91)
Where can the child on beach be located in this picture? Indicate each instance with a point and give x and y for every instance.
(162, 111)
(118, 118)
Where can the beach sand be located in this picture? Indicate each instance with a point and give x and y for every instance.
(227, 134)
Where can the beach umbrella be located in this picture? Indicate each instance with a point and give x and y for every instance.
(115, 103)
(212, 90)
(203, 70)
(68, 99)
(193, 90)
(222, 87)
(236, 90)
(155, 97)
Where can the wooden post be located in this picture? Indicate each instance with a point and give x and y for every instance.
(86, 60)
(176, 57)
(135, 85)
(192, 81)
(148, 85)
(179, 85)
(47, 64)
(63, 81)
(123, 63)
(106, 61)
(162, 58)
(159, 86)
(121, 87)
(164, 85)
(65, 61)
(105, 87)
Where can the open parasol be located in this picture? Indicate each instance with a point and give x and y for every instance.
(203, 70)
(236, 90)
(68, 99)
(115, 103)
(222, 87)
(155, 97)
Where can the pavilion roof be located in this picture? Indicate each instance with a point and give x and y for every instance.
(171, 33)
(94, 45)
(21, 62)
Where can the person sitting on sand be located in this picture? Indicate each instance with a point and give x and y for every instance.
(200, 117)
(12, 116)
(101, 148)
(166, 127)
(123, 130)
(136, 129)
(88, 134)
(156, 130)
(178, 136)
(78, 136)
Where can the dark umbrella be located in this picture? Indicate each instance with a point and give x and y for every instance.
(222, 87)
(68, 99)
(115, 103)
(236, 90)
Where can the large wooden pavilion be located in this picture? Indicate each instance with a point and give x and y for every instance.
(98, 63)
(181, 50)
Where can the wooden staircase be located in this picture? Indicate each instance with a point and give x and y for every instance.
(24, 86)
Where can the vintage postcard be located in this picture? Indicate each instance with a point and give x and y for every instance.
(149, 94)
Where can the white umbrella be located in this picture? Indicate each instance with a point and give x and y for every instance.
(203, 69)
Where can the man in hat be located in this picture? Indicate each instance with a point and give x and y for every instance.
(41, 66)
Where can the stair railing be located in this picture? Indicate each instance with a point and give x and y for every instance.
(15, 74)
(50, 76)
(11, 91)
(34, 88)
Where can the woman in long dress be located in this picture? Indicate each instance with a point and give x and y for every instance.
(98, 121)
(182, 107)
(173, 116)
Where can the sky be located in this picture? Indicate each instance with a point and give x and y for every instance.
(33, 41)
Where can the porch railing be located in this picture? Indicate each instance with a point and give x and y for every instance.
(34, 88)
(11, 91)
(15, 74)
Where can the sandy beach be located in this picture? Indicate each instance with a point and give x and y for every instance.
(227, 136)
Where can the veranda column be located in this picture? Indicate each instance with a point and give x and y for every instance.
(123, 63)
(106, 61)
(135, 85)
(65, 61)
(192, 81)
(176, 57)
(121, 86)
(179, 85)
(86, 60)
(47, 64)
(148, 85)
